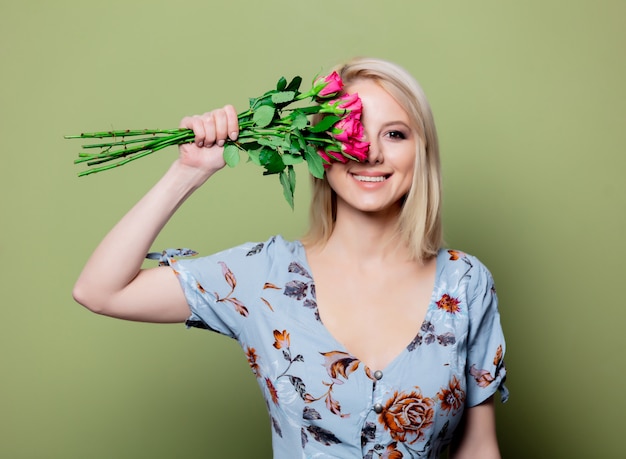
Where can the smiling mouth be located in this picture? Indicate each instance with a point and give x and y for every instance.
(367, 178)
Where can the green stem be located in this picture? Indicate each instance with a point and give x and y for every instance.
(125, 133)
(122, 162)
(152, 145)
(115, 144)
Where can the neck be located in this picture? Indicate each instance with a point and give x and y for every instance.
(366, 237)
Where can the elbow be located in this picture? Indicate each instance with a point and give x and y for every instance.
(84, 296)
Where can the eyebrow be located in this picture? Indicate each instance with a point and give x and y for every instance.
(393, 123)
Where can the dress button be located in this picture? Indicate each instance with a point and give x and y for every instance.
(378, 374)
(378, 408)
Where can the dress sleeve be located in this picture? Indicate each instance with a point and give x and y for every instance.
(486, 345)
(222, 289)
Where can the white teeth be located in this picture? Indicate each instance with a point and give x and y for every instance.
(364, 178)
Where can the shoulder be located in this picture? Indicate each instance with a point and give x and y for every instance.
(462, 268)
(245, 266)
(273, 246)
(254, 257)
(276, 247)
(459, 261)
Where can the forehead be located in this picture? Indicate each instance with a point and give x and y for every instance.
(377, 101)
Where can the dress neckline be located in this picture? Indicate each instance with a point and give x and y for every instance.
(340, 346)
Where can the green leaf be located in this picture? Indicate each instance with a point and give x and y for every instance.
(264, 115)
(273, 141)
(298, 119)
(287, 189)
(326, 123)
(301, 142)
(231, 154)
(271, 160)
(283, 97)
(253, 156)
(295, 145)
(311, 109)
(292, 178)
(294, 85)
(314, 162)
(282, 83)
(248, 144)
(289, 159)
(298, 143)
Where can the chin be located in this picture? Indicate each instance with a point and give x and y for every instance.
(377, 207)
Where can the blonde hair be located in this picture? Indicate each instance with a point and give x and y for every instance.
(419, 224)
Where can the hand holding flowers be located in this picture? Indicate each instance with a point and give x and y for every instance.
(211, 129)
(275, 132)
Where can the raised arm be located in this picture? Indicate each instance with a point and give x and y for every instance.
(112, 282)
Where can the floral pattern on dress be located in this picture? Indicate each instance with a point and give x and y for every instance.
(485, 377)
(384, 452)
(449, 304)
(302, 290)
(452, 397)
(230, 279)
(338, 364)
(428, 335)
(409, 417)
(317, 394)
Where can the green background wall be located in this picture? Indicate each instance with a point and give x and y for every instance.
(529, 99)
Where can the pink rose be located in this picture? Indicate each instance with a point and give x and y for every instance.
(347, 102)
(331, 156)
(347, 128)
(356, 149)
(351, 102)
(337, 156)
(332, 84)
(348, 131)
(325, 157)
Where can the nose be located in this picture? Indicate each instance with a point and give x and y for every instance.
(374, 154)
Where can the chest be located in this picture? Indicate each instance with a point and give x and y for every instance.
(374, 314)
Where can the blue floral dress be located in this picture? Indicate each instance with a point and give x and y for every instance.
(322, 401)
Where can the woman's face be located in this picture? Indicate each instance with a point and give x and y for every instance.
(380, 183)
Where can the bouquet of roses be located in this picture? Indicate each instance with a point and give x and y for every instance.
(276, 132)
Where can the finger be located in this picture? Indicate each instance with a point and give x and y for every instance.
(208, 123)
(221, 126)
(186, 122)
(232, 122)
(199, 128)
(196, 125)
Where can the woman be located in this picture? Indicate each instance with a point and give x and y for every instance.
(367, 339)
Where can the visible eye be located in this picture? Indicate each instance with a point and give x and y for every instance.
(396, 135)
